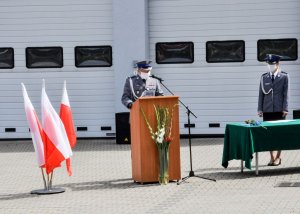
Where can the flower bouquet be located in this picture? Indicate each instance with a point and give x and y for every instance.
(254, 123)
(161, 136)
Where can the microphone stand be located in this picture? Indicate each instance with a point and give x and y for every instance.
(189, 112)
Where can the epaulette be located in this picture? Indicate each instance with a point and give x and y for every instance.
(284, 72)
(264, 74)
(131, 76)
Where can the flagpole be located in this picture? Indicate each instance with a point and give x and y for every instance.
(45, 184)
(50, 182)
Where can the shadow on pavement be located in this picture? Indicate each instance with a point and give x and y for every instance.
(126, 183)
(235, 173)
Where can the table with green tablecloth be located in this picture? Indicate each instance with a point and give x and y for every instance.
(242, 140)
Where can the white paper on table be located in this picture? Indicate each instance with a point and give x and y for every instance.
(279, 121)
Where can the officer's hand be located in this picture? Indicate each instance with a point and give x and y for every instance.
(260, 114)
(284, 113)
(129, 105)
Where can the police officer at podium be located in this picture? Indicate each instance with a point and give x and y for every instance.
(140, 84)
(273, 97)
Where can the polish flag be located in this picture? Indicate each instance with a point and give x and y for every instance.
(57, 145)
(67, 119)
(36, 131)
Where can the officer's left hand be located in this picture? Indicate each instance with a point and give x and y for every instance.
(129, 105)
(284, 113)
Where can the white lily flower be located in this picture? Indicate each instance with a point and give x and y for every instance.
(160, 135)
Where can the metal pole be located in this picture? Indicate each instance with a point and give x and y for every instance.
(44, 179)
(190, 143)
(50, 182)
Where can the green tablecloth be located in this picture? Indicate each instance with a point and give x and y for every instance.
(241, 141)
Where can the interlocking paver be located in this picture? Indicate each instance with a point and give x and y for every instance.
(101, 182)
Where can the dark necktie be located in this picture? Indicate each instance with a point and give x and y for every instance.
(272, 77)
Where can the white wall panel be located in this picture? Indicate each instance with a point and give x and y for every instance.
(215, 92)
(69, 23)
(222, 92)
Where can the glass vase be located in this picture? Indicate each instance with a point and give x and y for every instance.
(163, 155)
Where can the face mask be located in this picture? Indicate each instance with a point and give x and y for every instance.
(145, 76)
(272, 67)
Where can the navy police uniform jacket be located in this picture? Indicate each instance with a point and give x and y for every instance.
(273, 96)
(136, 87)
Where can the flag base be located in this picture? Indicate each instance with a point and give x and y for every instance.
(48, 191)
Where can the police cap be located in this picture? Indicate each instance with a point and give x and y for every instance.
(143, 64)
(272, 58)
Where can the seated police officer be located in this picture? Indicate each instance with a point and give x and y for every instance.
(140, 84)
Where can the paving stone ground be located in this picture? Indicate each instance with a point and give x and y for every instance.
(102, 183)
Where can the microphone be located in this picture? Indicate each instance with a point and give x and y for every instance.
(156, 77)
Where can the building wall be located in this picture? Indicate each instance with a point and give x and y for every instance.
(94, 93)
(222, 92)
(68, 23)
(214, 92)
(130, 41)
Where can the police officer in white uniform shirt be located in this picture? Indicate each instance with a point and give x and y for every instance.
(273, 97)
(140, 84)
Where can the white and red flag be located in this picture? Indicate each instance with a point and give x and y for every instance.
(57, 144)
(67, 119)
(36, 131)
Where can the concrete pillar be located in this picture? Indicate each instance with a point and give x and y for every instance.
(130, 41)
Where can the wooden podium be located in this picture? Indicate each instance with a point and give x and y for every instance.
(144, 154)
